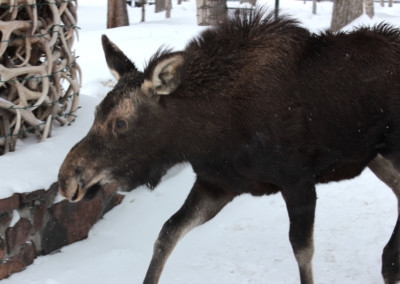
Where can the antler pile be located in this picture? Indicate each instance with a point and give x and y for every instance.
(39, 78)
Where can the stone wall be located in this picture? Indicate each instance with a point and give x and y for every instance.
(31, 224)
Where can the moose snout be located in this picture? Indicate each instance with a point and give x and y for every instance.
(71, 188)
(76, 178)
(74, 174)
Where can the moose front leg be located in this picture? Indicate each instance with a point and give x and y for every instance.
(202, 204)
(387, 173)
(300, 203)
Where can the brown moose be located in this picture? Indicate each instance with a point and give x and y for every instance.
(256, 105)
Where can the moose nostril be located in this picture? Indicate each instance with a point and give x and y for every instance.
(75, 197)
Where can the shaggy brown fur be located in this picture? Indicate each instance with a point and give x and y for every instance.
(256, 105)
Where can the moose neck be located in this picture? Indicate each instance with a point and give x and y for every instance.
(199, 123)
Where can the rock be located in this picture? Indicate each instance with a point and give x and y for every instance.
(5, 219)
(38, 213)
(18, 263)
(70, 222)
(8, 204)
(2, 249)
(36, 196)
(18, 235)
(44, 226)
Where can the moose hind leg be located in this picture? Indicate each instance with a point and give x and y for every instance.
(202, 204)
(386, 172)
(300, 203)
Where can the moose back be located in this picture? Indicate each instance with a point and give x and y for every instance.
(257, 105)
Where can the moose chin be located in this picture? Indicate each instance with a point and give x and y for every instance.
(257, 105)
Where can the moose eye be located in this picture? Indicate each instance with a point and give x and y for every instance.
(120, 124)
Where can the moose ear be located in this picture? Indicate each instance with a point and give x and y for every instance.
(165, 74)
(117, 61)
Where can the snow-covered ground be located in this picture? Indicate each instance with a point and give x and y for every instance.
(247, 242)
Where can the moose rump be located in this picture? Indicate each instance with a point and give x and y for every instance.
(256, 105)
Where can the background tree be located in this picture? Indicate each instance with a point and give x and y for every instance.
(168, 7)
(164, 5)
(369, 8)
(211, 12)
(314, 7)
(160, 6)
(383, 3)
(144, 2)
(117, 14)
(345, 11)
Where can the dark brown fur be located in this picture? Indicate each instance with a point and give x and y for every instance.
(256, 105)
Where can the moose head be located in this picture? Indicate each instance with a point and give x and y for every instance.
(130, 127)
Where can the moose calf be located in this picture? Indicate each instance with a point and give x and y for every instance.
(256, 105)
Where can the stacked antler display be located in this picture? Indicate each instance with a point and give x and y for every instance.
(39, 77)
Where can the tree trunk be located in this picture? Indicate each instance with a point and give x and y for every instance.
(382, 3)
(160, 6)
(143, 11)
(369, 8)
(251, 2)
(344, 12)
(168, 7)
(314, 7)
(390, 3)
(117, 14)
(211, 12)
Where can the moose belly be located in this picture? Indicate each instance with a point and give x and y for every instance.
(341, 171)
(227, 176)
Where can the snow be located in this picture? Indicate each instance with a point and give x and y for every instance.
(247, 242)
(15, 218)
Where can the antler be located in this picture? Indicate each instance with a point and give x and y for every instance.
(36, 67)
